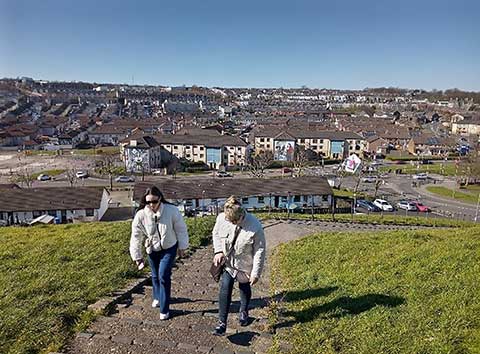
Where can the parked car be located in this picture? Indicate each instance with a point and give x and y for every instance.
(383, 205)
(125, 179)
(421, 207)
(43, 177)
(367, 205)
(224, 174)
(406, 205)
(81, 174)
(369, 179)
(420, 176)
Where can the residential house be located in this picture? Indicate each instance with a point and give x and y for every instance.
(327, 144)
(65, 204)
(205, 194)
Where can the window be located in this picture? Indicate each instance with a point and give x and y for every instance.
(268, 146)
(296, 199)
(52, 212)
(262, 140)
(89, 212)
(313, 147)
(260, 199)
(321, 147)
(314, 141)
(202, 148)
(244, 200)
(201, 156)
(321, 141)
(187, 156)
(175, 147)
(324, 198)
(302, 141)
(37, 213)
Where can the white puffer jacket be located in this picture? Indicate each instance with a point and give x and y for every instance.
(161, 229)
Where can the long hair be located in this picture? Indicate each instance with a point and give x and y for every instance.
(153, 190)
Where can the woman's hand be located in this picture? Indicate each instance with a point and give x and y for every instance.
(181, 253)
(253, 281)
(218, 258)
(140, 264)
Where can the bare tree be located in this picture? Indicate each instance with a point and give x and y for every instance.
(300, 159)
(71, 174)
(107, 165)
(23, 176)
(259, 162)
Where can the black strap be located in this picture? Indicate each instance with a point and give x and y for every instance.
(235, 236)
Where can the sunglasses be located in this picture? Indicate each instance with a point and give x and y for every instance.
(152, 201)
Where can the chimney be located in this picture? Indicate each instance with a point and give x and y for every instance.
(133, 143)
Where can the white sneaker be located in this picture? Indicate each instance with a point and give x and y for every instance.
(164, 316)
(155, 303)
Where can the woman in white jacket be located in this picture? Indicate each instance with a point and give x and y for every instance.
(160, 226)
(243, 261)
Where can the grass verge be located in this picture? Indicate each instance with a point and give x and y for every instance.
(412, 291)
(445, 169)
(50, 274)
(450, 193)
(50, 173)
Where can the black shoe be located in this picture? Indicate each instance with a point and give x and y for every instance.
(220, 329)
(243, 318)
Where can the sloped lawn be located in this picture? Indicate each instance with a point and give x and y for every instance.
(50, 274)
(389, 292)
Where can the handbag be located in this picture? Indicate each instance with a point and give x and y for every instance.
(217, 270)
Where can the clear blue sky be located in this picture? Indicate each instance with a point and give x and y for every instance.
(272, 43)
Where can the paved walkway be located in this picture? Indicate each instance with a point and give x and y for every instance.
(134, 326)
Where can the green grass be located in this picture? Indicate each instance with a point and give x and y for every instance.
(347, 193)
(447, 169)
(449, 193)
(391, 292)
(106, 150)
(50, 173)
(376, 218)
(50, 274)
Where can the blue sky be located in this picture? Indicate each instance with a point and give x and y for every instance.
(333, 44)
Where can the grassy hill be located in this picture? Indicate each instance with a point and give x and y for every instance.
(50, 274)
(390, 292)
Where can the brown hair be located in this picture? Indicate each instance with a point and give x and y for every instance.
(233, 209)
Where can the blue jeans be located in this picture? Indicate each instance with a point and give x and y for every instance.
(225, 296)
(161, 264)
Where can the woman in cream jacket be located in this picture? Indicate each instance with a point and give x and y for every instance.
(244, 263)
(160, 227)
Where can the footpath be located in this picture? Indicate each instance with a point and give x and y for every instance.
(133, 326)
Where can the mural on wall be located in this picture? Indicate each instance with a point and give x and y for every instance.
(214, 156)
(337, 148)
(284, 150)
(137, 160)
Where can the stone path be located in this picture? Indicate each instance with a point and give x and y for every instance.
(134, 326)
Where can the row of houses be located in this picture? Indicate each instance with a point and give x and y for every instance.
(327, 144)
(81, 204)
(144, 153)
(19, 205)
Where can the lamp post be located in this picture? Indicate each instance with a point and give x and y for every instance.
(476, 211)
(288, 205)
(269, 203)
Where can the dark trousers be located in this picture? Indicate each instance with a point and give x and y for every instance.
(161, 264)
(225, 296)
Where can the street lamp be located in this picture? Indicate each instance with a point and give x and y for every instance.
(476, 211)
(288, 205)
